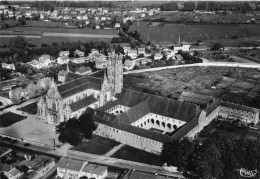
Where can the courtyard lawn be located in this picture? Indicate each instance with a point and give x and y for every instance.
(137, 155)
(10, 118)
(97, 145)
(30, 108)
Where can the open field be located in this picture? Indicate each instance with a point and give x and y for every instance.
(137, 155)
(9, 118)
(45, 23)
(97, 145)
(30, 108)
(64, 30)
(172, 82)
(170, 32)
(49, 40)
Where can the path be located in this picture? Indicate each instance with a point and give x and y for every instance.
(214, 64)
(114, 150)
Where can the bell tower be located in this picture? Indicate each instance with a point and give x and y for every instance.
(115, 72)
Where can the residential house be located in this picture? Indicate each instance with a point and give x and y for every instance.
(70, 168)
(64, 53)
(63, 60)
(100, 63)
(117, 25)
(178, 57)
(14, 173)
(146, 60)
(94, 171)
(158, 56)
(80, 60)
(8, 66)
(129, 64)
(184, 46)
(141, 51)
(126, 49)
(78, 53)
(84, 70)
(132, 53)
(100, 60)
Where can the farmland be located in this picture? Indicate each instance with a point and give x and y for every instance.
(39, 35)
(170, 83)
(229, 34)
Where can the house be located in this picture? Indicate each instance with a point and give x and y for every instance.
(178, 57)
(62, 76)
(80, 60)
(146, 60)
(126, 49)
(64, 53)
(141, 51)
(8, 66)
(43, 62)
(184, 46)
(84, 70)
(158, 56)
(70, 168)
(85, 17)
(94, 171)
(132, 53)
(14, 173)
(100, 63)
(78, 53)
(117, 25)
(129, 64)
(63, 60)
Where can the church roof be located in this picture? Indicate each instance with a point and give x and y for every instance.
(72, 76)
(82, 103)
(80, 84)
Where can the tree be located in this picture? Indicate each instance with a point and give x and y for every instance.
(23, 168)
(74, 130)
(19, 47)
(217, 46)
(31, 90)
(83, 177)
(16, 95)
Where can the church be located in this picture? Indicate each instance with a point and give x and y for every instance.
(70, 99)
(135, 118)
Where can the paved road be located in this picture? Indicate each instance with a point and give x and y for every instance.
(56, 34)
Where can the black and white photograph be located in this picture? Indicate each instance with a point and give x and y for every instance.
(129, 89)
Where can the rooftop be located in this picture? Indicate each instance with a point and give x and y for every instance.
(70, 164)
(94, 169)
(83, 103)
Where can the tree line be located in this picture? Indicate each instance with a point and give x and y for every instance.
(219, 156)
(208, 6)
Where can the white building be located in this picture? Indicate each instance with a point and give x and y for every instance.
(78, 53)
(64, 53)
(63, 60)
(129, 64)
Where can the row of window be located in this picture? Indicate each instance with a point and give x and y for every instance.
(132, 135)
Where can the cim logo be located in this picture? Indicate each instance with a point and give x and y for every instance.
(247, 173)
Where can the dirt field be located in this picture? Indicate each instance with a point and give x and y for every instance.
(167, 33)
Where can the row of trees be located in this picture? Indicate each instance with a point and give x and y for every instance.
(74, 131)
(22, 51)
(208, 5)
(219, 156)
(30, 91)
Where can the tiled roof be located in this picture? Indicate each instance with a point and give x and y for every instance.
(98, 74)
(237, 106)
(62, 73)
(73, 76)
(185, 129)
(212, 107)
(83, 103)
(197, 96)
(5, 167)
(158, 105)
(14, 172)
(94, 169)
(70, 164)
(109, 105)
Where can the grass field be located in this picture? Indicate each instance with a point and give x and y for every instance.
(169, 32)
(30, 108)
(9, 118)
(137, 155)
(97, 145)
